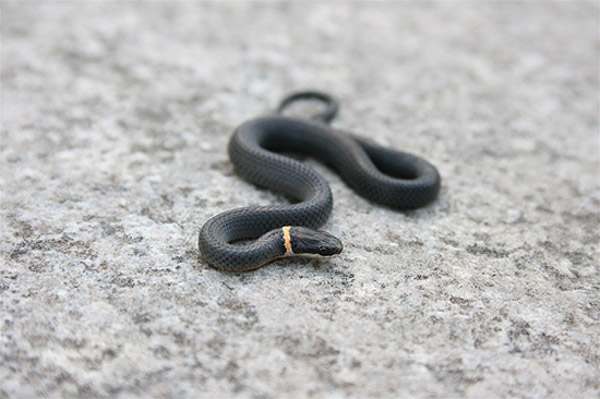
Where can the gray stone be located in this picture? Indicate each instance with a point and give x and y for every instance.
(115, 121)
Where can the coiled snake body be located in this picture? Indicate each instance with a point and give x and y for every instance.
(388, 177)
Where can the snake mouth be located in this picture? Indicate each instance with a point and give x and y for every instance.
(330, 250)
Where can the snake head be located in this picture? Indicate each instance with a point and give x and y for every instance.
(305, 241)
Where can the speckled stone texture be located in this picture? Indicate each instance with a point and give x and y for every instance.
(115, 121)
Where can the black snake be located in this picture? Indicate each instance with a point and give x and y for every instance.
(385, 176)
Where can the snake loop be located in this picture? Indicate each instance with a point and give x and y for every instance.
(325, 116)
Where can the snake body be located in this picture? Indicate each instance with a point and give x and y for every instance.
(385, 176)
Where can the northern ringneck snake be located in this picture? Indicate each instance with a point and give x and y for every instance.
(247, 238)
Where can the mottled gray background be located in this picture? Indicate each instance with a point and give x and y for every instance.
(115, 120)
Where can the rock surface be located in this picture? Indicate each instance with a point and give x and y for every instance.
(115, 121)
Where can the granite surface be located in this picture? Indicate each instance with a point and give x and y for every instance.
(115, 121)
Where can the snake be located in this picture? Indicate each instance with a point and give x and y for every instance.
(247, 238)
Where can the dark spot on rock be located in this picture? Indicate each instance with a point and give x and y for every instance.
(451, 242)
(141, 318)
(166, 200)
(569, 319)
(549, 339)
(458, 300)
(86, 391)
(161, 352)
(523, 261)
(18, 252)
(181, 339)
(215, 345)
(146, 331)
(76, 343)
(114, 390)
(307, 347)
(63, 376)
(238, 313)
(109, 354)
(107, 228)
(123, 281)
(37, 267)
(578, 257)
(486, 251)
(139, 252)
